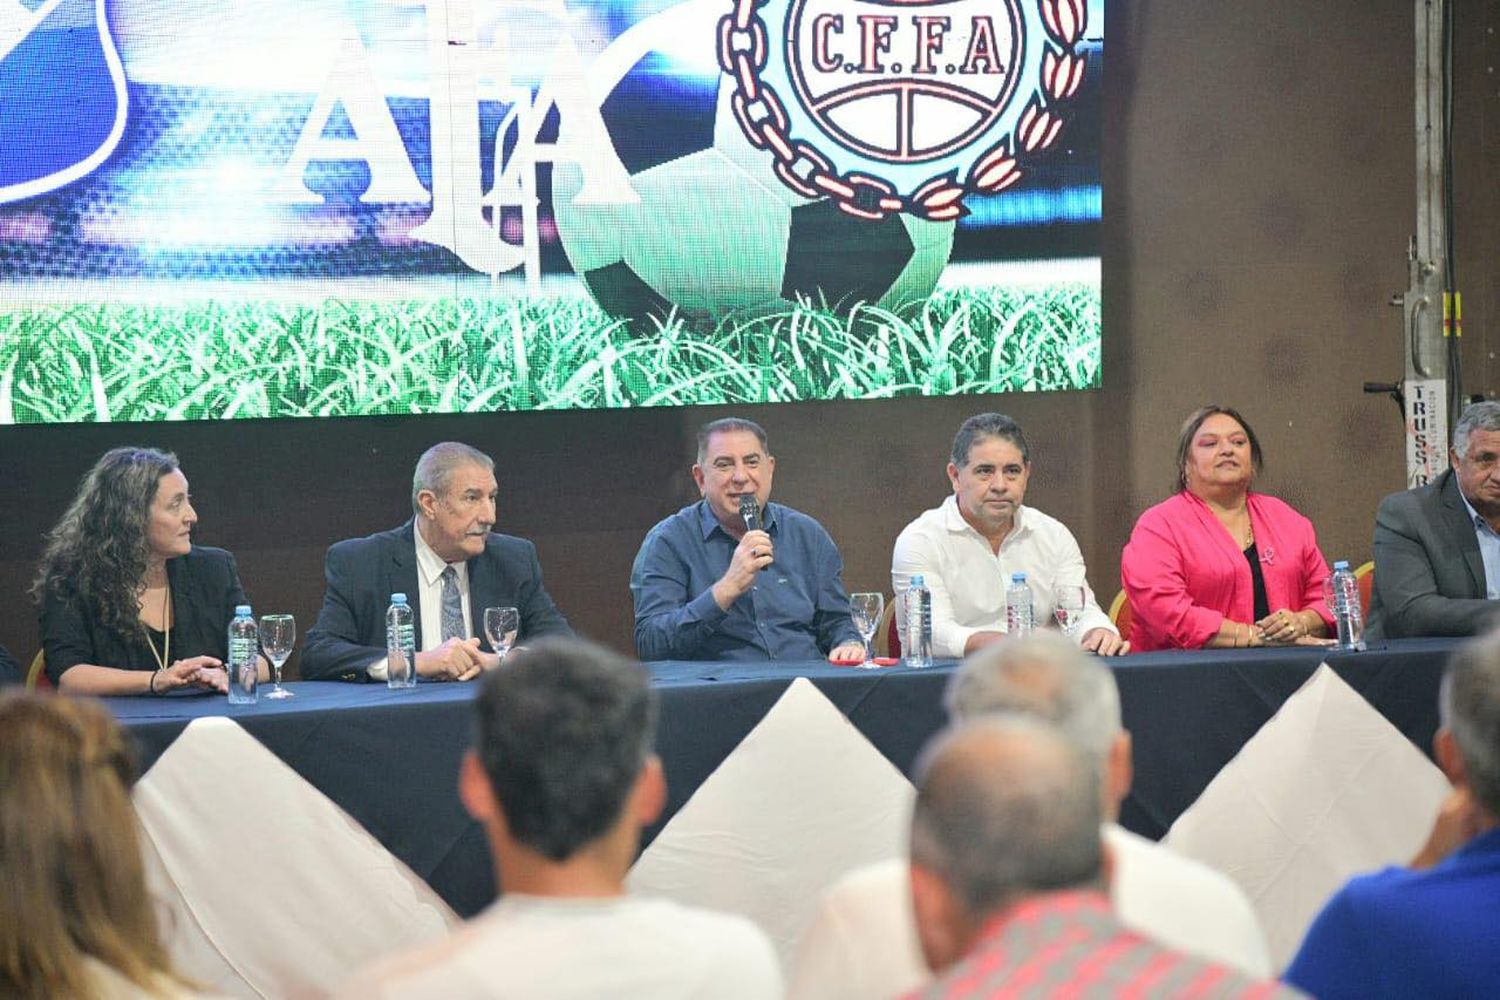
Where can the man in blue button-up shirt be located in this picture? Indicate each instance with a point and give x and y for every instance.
(705, 588)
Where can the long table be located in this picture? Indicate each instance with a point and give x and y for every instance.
(389, 758)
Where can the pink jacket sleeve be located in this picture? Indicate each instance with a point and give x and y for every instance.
(1152, 570)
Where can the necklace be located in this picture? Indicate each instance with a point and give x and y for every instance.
(165, 656)
(1247, 536)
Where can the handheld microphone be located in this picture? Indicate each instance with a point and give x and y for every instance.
(750, 513)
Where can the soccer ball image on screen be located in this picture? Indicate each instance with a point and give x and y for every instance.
(716, 235)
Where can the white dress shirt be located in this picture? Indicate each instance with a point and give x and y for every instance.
(430, 568)
(968, 578)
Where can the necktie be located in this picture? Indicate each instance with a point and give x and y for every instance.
(453, 606)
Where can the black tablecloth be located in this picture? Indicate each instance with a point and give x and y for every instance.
(1189, 714)
(390, 758)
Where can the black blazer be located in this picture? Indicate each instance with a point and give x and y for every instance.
(1429, 576)
(205, 588)
(363, 573)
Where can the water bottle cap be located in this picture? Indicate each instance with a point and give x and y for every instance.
(398, 598)
(918, 580)
(241, 609)
(1341, 564)
(1018, 578)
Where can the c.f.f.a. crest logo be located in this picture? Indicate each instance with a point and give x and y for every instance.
(902, 105)
(62, 94)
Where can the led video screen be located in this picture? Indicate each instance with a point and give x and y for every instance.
(303, 208)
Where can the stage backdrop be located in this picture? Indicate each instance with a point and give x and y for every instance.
(1258, 195)
(337, 208)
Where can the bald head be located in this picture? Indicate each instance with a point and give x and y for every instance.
(1045, 676)
(1006, 808)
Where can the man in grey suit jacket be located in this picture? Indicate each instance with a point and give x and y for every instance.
(449, 564)
(1437, 547)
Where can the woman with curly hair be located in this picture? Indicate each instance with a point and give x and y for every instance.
(128, 604)
(76, 920)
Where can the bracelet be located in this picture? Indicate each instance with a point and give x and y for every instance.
(152, 683)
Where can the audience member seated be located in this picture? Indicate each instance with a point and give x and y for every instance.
(1430, 929)
(862, 942)
(1008, 873)
(967, 548)
(698, 582)
(562, 779)
(75, 917)
(449, 564)
(1437, 553)
(1218, 565)
(128, 604)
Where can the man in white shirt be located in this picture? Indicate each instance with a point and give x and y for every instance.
(968, 548)
(562, 779)
(863, 942)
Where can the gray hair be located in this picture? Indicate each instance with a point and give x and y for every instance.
(982, 426)
(730, 425)
(437, 465)
(1481, 416)
(563, 732)
(1006, 807)
(1469, 706)
(1045, 676)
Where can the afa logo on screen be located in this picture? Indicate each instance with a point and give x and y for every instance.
(909, 106)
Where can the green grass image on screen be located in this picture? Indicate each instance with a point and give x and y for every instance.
(110, 362)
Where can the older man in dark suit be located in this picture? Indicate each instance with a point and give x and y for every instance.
(1437, 548)
(451, 566)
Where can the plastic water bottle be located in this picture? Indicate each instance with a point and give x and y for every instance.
(244, 644)
(400, 644)
(1342, 594)
(1018, 609)
(918, 623)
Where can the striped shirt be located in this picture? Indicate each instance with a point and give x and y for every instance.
(1069, 944)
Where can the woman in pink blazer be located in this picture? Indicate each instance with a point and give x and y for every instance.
(1217, 565)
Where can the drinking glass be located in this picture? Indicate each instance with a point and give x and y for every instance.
(278, 634)
(866, 610)
(501, 625)
(1069, 608)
